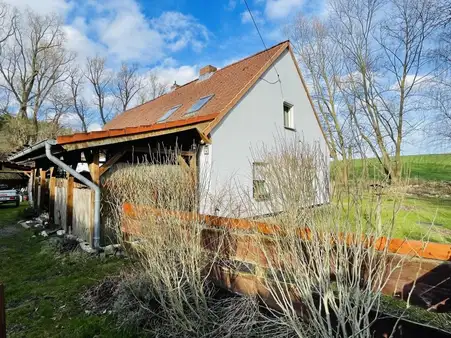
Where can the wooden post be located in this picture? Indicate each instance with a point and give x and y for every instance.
(95, 176)
(42, 184)
(193, 168)
(35, 189)
(2, 312)
(69, 203)
(52, 187)
(31, 194)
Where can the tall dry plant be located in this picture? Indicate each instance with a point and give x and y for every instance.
(324, 272)
(171, 253)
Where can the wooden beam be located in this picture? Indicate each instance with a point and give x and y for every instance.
(182, 161)
(52, 188)
(162, 151)
(35, 188)
(69, 203)
(94, 169)
(194, 172)
(108, 164)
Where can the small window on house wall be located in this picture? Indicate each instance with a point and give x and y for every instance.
(288, 118)
(260, 189)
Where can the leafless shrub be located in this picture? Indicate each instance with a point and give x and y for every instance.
(324, 272)
(173, 263)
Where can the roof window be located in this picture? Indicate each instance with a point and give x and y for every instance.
(168, 113)
(199, 104)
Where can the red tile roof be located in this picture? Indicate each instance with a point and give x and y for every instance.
(96, 135)
(227, 84)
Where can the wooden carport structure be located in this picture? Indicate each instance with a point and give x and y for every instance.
(70, 203)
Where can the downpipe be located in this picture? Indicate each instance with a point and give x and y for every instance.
(84, 180)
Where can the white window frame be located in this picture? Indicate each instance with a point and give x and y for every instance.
(258, 179)
(288, 121)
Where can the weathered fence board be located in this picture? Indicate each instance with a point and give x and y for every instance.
(81, 216)
(60, 203)
(424, 276)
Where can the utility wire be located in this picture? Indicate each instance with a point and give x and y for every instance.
(261, 37)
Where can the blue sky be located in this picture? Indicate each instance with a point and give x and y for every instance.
(174, 37)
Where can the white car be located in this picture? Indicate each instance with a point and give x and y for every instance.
(9, 195)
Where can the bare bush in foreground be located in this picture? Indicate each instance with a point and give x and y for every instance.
(173, 262)
(324, 272)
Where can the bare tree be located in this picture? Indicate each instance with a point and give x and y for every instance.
(320, 58)
(34, 62)
(101, 81)
(8, 23)
(127, 84)
(79, 105)
(385, 43)
(58, 105)
(152, 88)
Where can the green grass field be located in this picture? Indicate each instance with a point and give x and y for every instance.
(425, 212)
(43, 288)
(435, 167)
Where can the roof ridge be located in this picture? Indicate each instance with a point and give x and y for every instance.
(196, 79)
(253, 55)
(137, 107)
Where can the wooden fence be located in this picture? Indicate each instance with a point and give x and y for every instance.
(426, 267)
(69, 204)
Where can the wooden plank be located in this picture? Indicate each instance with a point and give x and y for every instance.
(2, 312)
(35, 189)
(108, 164)
(42, 185)
(69, 203)
(52, 186)
(94, 169)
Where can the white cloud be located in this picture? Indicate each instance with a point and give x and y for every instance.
(94, 127)
(231, 5)
(418, 81)
(78, 42)
(125, 32)
(246, 17)
(43, 6)
(180, 31)
(119, 29)
(181, 75)
(279, 9)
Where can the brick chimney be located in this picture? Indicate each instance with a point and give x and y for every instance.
(206, 72)
(174, 86)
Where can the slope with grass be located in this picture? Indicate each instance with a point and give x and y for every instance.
(425, 212)
(433, 167)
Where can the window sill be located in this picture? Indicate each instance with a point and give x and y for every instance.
(262, 198)
(289, 128)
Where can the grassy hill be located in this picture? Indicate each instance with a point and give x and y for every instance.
(425, 210)
(434, 167)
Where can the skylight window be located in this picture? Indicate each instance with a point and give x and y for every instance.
(168, 113)
(199, 104)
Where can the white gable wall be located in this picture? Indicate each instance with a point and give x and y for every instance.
(257, 119)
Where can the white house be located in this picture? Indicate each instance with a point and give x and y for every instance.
(247, 104)
(218, 120)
